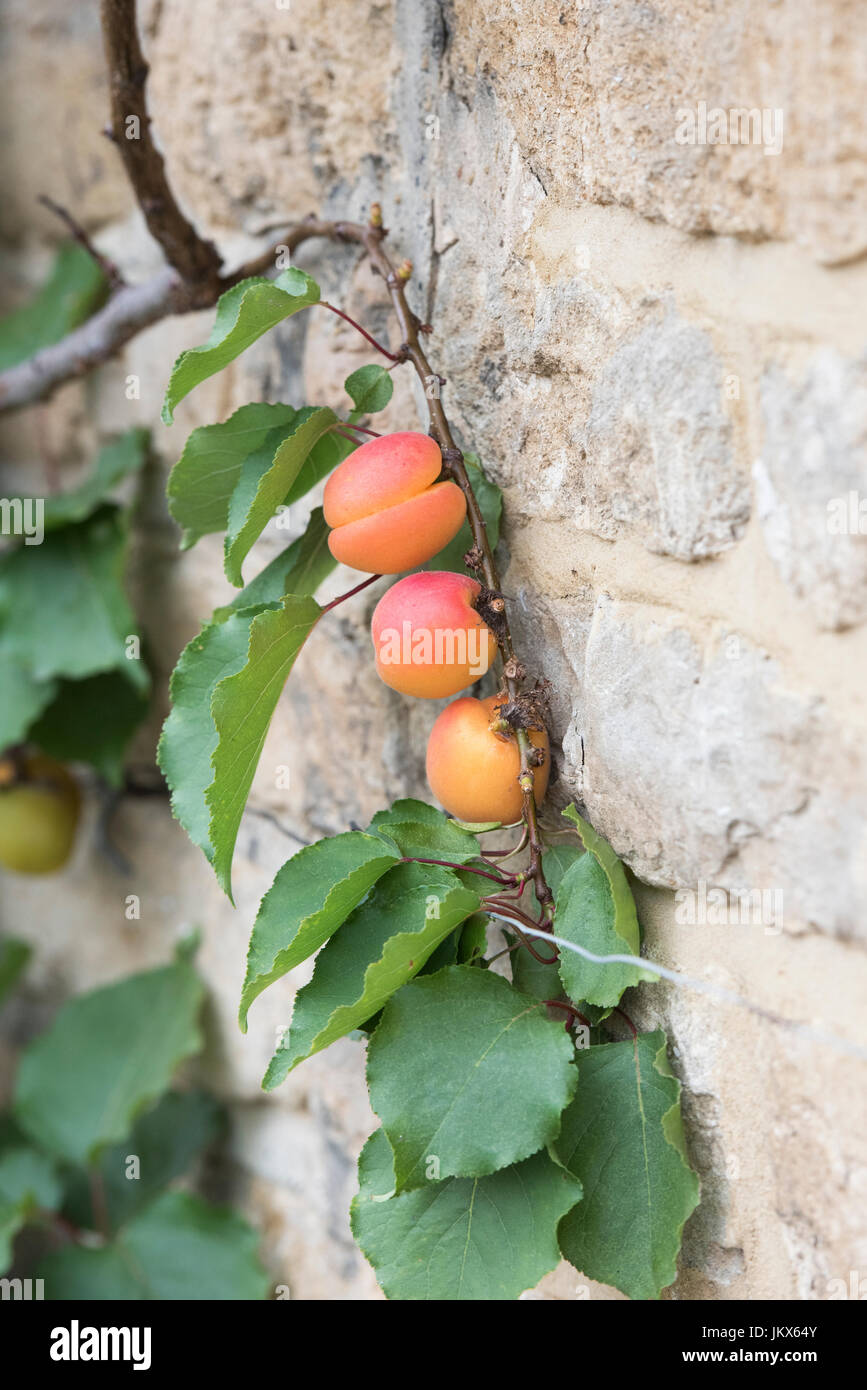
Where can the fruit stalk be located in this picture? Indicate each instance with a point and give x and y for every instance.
(371, 237)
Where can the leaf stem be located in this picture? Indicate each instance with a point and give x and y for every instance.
(570, 1009)
(392, 356)
(341, 598)
(465, 868)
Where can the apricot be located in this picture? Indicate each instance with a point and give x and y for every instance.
(428, 638)
(386, 512)
(473, 772)
(38, 817)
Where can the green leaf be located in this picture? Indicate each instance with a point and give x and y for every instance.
(63, 609)
(14, 955)
(322, 459)
(533, 977)
(312, 894)
(23, 696)
(121, 457)
(241, 707)
(370, 388)
(202, 481)
(92, 721)
(189, 737)
(77, 1274)
(623, 1135)
(179, 1248)
(473, 939)
(595, 909)
(244, 313)
(378, 948)
(490, 500)
(74, 290)
(266, 478)
(299, 569)
(28, 1183)
(165, 1140)
(466, 1070)
(108, 1054)
(466, 1239)
(422, 840)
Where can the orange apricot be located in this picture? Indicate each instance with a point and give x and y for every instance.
(385, 509)
(428, 638)
(472, 771)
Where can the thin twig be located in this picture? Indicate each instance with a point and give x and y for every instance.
(108, 267)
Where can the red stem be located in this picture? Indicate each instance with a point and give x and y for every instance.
(627, 1020)
(570, 1009)
(341, 598)
(392, 356)
(465, 868)
(348, 425)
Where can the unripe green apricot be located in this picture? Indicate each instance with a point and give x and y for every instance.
(39, 813)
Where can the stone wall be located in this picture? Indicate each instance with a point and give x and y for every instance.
(659, 349)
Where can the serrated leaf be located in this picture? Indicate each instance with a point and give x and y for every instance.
(420, 840)
(596, 910)
(14, 955)
(466, 1239)
(623, 1135)
(29, 1182)
(266, 478)
(63, 609)
(377, 949)
(117, 460)
(178, 1248)
(241, 707)
(165, 1140)
(466, 1069)
(323, 458)
(189, 736)
(92, 721)
(370, 389)
(107, 1055)
(299, 569)
(313, 893)
(490, 500)
(206, 474)
(420, 831)
(477, 827)
(74, 290)
(244, 313)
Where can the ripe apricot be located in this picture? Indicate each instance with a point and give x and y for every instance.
(428, 638)
(473, 772)
(38, 817)
(386, 512)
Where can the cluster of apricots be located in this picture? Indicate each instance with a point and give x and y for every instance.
(389, 514)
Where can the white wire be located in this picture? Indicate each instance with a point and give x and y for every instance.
(676, 977)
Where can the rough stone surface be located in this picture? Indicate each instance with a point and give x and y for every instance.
(811, 483)
(648, 346)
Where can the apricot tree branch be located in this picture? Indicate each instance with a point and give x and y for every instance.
(196, 259)
(193, 279)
